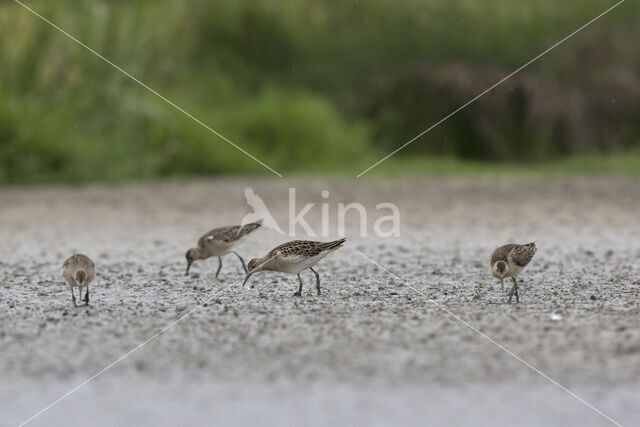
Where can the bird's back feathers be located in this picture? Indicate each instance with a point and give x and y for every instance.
(229, 233)
(521, 255)
(305, 248)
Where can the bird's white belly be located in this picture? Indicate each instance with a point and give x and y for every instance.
(514, 269)
(219, 248)
(296, 266)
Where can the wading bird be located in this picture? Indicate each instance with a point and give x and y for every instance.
(509, 261)
(78, 270)
(293, 257)
(219, 242)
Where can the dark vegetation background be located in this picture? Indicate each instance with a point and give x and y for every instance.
(322, 86)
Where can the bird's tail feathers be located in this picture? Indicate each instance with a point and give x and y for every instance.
(335, 244)
(248, 228)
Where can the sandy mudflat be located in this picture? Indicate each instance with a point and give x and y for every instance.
(372, 350)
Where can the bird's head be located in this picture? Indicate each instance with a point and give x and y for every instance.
(500, 269)
(192, 255)
(254, 265)
(80, 277)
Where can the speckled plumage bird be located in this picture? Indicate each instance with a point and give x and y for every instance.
(78, 270)
(294, 257)
(508, 261)
(219, 242)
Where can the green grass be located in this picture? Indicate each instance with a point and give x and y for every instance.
(627, 163)
(320, 87)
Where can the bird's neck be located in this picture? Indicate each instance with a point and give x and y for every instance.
(265, 263)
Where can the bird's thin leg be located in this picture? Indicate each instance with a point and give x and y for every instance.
(317, 280)
(244, 266)
(73, 296)
(502, 284)
(299, 293)
(219, 266)
(511, 294)
(515, 288)
(86, 296)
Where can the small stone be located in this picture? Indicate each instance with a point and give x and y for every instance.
(555, 317)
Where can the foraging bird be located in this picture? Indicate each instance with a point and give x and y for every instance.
(219, 242)
(79, 270)
(509, 261)
(293, 257)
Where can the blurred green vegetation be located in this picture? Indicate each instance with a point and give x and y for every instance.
(627, 163)
(326, 86)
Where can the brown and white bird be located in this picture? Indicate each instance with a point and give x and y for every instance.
(509, 261)
(78, 270)
(219, 242)
(294, 257)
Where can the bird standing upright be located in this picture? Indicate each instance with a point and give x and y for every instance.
(508, 261)
(219, 242)
(79, 270)
(293, 257)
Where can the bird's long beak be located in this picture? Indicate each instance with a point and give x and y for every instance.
(188, 266)
(246, 279)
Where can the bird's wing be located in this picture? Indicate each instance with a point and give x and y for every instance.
(245, 229)
(220, 233)
(297, 248)
(501, 253)
(522, 254)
